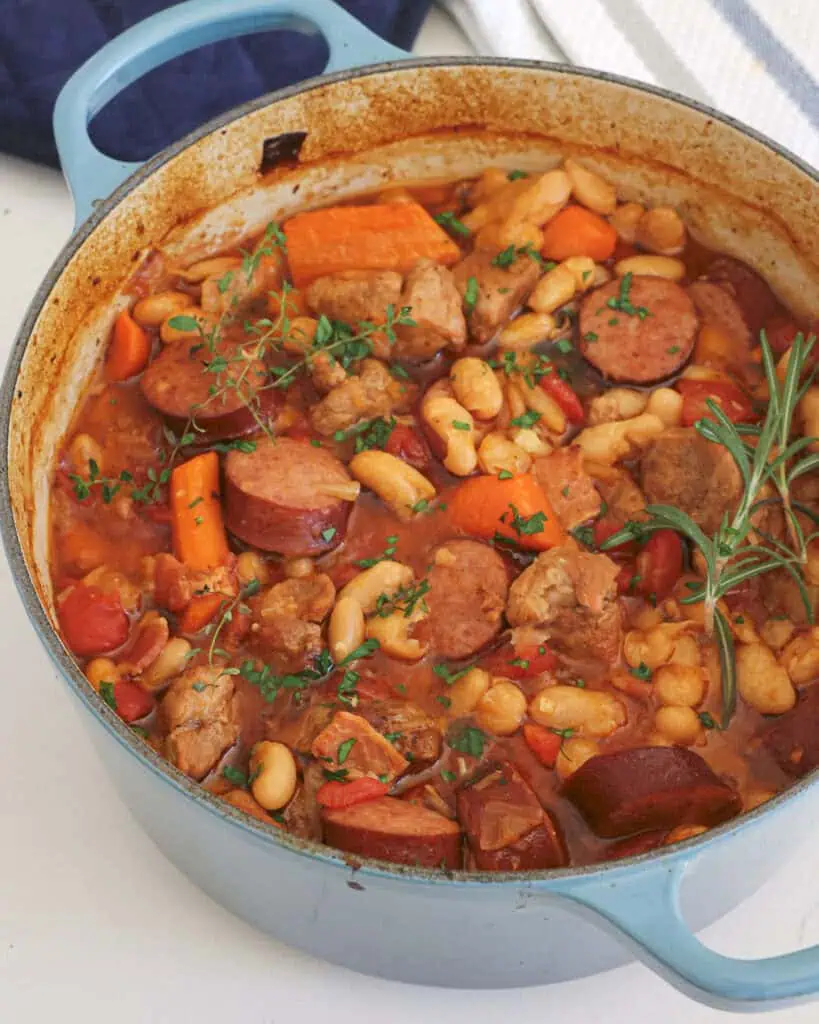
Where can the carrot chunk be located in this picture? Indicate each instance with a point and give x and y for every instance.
(517, 509)
(576, 231)
(129, 351)
(201, 610)
(387, 236)
(199, 538)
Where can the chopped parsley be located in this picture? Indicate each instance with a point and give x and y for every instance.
(460, 425)
(445, 701)
(469, 740)
(388, 552)
(405, 599)
(517, 173)
(328, 534)
(449, 221)
(564, 346)
(369, 434)
(234, 776)
(344, 749)
(527, 419)
(641, 672)
(526, 526)
(504, 474)
(471, 294)
(108, 695)
(623, 304)
(448, 676)
(590, 337)
(707, 720)
(447, 775)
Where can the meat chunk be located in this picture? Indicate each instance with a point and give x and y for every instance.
(682, 469)
(569, 487)
(285, 496)
(412, 732)
(371, 393)
(500, 290)
(624, 499)
(625, 345)
(310, 598)
(288, 644)
(435, 305)
(649, 788)
(573, 595)
(326, 373)
(468, 584)
(793, 738)
(174, 584)
(350, 741)
(200, 716)
(505, 826)
(397, 831)
(356, 295)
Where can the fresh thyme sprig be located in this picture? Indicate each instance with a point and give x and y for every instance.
(767, 460)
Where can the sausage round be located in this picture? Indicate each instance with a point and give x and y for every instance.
(756, 302)
(640, 349)
(178, 384)
(793, 738)
(649, 788)
(468, 585)
(395, 830)
(274, 497)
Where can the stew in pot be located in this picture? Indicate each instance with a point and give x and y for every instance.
(463, 526)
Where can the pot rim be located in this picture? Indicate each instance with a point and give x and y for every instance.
(121, 731)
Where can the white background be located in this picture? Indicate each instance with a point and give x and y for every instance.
(95, 925)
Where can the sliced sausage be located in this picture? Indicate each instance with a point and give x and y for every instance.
(638, 347)
(505, 826)
(757, 303)
(468, 584)
(498, 291)
(178, 384)
(395, 830)
(633, 846)
(683, 469)
(649, 788)
(793, 738)
(283, 497)
(719, 309)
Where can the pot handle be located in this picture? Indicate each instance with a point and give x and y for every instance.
(92, 175)
(644, 906)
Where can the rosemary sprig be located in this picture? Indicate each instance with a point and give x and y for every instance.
(767, 459)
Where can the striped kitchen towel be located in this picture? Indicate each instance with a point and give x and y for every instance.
(753, 59)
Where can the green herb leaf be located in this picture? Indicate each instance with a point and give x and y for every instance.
(471, 293)
(449, 221)
(469, 740)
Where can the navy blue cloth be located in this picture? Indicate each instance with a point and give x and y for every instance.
(43, 41)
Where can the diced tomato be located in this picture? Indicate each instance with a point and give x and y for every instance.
(93, 622)
(606, 527)
(781, 331)
(660, 564)
(557, 388)
(407, 444)
(132, 702)
(335, 795)
(626, 582)
(543, 743)
(728, 396)
(521, 663)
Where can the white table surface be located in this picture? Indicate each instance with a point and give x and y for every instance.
(96, 926)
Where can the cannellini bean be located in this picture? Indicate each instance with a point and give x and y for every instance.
(686, 652)
(777, 632)
(497, 206)
(683, 832)
(573, 754)
(591, 189)
(155, 309)
(583, 270)
(610, 442)
(170, 334)
(274, 772)
(519, 233)
(298, 568)
(680, 725)
(171, 661)
(346, 629)
(251, 566)
(502, 709)
(527, 330)
(498, 454)
(393, 634)
(616, 404)
(213, 266)
(101, 670)
(531, 442)
(396, 195)
(543, 198)
(587, 712)
(743, 627)
(652, 648)
(383, 578)
(762, 682)
(754, 797)
(397, 484)
(683, 685)
(344, 491)
(490, 180)
(466, 691)
(476, 387)
(661, 230)
(666, 404)
(84, 450)
(646, 618)
(800, 658)
(535, 398)
(447, 418)
(625, 219)
(651, 266)
(553, 290)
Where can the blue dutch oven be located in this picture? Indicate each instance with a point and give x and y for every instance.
(360, 129)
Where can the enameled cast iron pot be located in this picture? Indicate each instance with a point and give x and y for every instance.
(362, 129)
